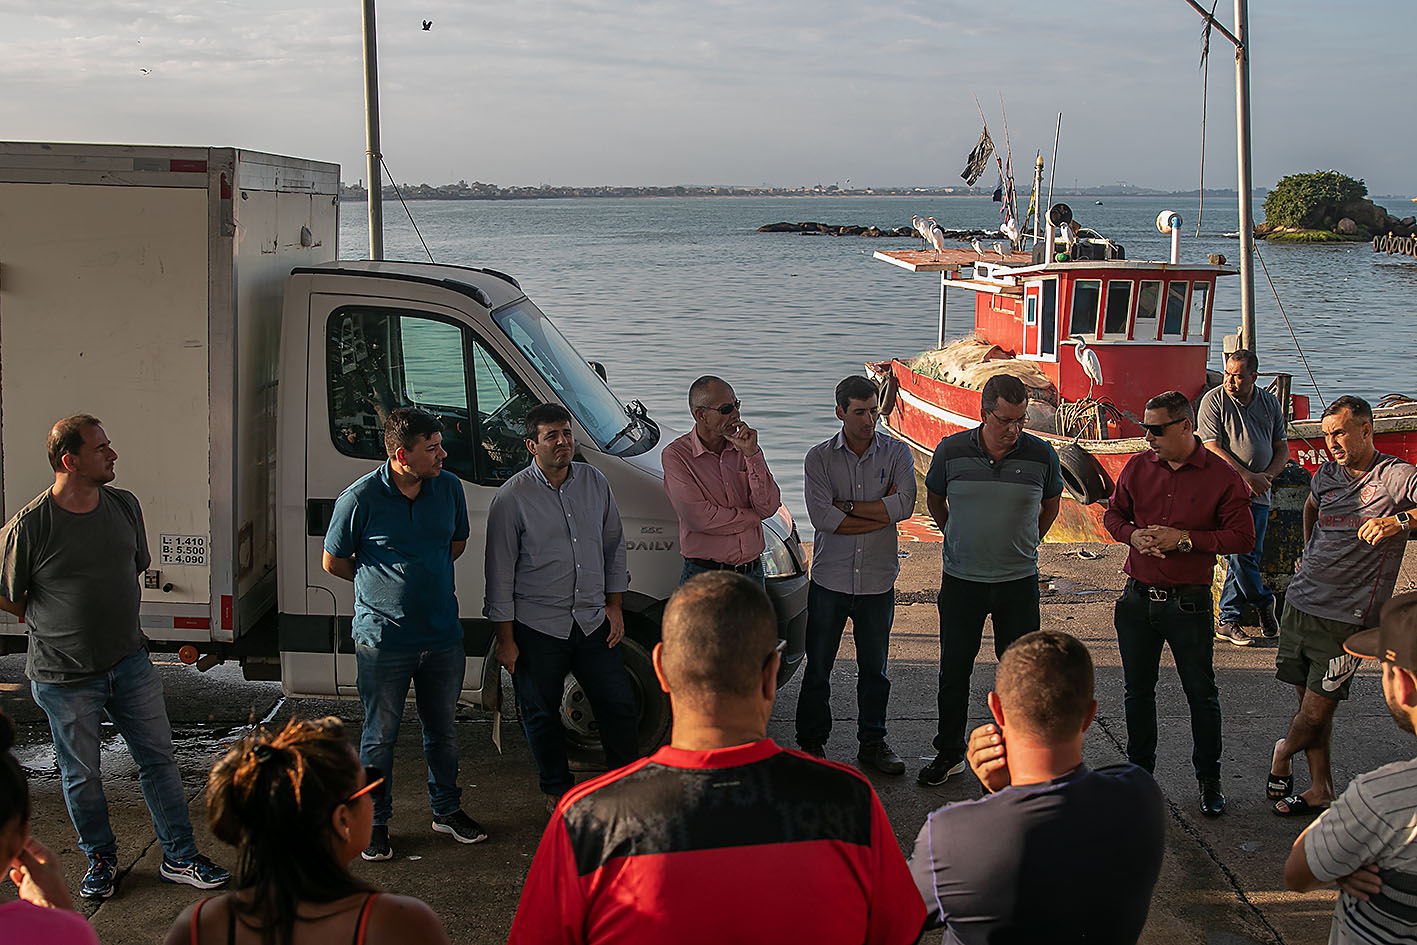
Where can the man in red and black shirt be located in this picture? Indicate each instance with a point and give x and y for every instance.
(722, 836)
(1178, 507)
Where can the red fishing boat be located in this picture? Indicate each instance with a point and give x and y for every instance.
(1093, 335)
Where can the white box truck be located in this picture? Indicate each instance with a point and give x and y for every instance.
(193, 300)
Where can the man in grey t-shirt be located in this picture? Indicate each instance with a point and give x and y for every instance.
(1356, 525)
(70, 564)
(1244, 426)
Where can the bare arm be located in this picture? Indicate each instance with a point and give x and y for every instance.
(1362, 884)
(939, 508)
(1281, 459)
(1048, 514)
(458, 548)
(1311, 516)
(16, 607)
(851, 525)
(339, 567)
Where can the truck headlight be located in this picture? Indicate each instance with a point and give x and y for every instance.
(777, 559)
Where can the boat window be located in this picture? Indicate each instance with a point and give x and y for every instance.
(1199, 295)
(1175, 323)
(1031, 311)
(1048, 329)
(1087, 294)
(1148, 304)
(1119, 308)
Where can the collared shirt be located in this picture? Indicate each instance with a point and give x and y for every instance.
(721, 499)
(403, 559)
(857, 564)
(991, 534)
(554, 553)
(1206, 497)
(1247, 432)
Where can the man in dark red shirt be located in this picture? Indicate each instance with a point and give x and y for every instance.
(722, 836)
(1178, 507)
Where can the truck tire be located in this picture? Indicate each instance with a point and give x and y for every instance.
(1083, 475)
(578, 718)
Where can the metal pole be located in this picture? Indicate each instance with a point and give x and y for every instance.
(371, 134)
(940, 335)
(1242, 140)
(1038, 199)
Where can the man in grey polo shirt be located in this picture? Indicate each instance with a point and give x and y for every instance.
(1244, 426)
(555, 577)
(994, 493)
(859, 484)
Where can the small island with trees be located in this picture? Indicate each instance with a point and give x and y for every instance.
(1326, 207)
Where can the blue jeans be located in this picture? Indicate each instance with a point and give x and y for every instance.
(540, 680)
(963, 605)
(1243, 582)
(1184, 623)
(384, 677)
(130, 694)
(754, 573)
(827, 613)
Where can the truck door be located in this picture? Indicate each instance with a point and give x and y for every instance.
(368, 357)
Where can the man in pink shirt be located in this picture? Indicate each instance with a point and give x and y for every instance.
(719, 484)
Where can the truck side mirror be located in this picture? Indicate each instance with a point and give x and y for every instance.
(599, 369)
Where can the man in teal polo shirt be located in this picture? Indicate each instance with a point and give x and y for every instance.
(396, 533)
(994, 492)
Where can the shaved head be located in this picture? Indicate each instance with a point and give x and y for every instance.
(1044, 684)
(719, 628)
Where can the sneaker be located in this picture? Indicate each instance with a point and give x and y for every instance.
(378, 848)
(102, 876)
(941, 770)
(1233, 633)
(1269, 622)
(879, 756)
(462, 827)
(815, 749)
(198, 871)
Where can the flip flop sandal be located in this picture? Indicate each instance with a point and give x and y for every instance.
(1296, 806)
(1279, 786)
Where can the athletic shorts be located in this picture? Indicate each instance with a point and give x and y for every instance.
(1311, 653)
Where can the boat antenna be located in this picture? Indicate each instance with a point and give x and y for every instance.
(371, 135)
(1205, 89)
(1053, 171)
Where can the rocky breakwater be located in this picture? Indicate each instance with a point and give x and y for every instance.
(870, 232)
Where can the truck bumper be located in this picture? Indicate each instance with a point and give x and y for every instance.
(789, 599)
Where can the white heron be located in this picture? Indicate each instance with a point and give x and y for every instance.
(1069, 238)
(930, 232)
(1087, 358)
(1012, 231)
(978, 247)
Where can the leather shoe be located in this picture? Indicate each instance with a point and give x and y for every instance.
(1212, 801)
(879, 756)
(1269, 621)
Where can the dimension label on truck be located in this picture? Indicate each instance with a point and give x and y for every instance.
(184, 550)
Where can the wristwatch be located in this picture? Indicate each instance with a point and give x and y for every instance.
(1404, 520)
(847, 505)
(1185, 543)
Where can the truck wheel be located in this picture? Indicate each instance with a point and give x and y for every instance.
(578, 718)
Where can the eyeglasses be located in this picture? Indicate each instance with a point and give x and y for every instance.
(1157, 429)
(781, 645)
(373, 778)
(724, 409)
(1017, 422)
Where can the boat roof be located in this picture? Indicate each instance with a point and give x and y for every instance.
(1021, 264)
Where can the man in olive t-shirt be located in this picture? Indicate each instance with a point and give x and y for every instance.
(69, 569)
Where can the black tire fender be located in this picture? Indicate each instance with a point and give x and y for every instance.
(886, 390)
(1084, 476)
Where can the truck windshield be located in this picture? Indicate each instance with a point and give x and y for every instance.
(580, 389)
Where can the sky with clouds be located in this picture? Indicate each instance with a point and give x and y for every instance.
(747, 92)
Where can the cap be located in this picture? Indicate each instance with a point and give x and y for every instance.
(1394, 639)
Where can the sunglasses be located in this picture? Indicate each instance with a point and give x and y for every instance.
(1157, 429)
(781, 645)
(724, 409)
(373, 778)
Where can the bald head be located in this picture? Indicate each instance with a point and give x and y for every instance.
(1044, 684)
(718, 630)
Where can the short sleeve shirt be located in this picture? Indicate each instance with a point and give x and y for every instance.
(1246, 431)
(78, 573)
(1343, 577)
(991, 534)
(403, 562)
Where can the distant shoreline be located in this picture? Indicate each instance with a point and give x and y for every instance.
(629, 193)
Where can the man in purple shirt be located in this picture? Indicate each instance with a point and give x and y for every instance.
(1178, 506)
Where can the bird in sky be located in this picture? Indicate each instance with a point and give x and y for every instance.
(999, 248)
(427, 25)
(930, 232)
(978, 247)
(146, 71)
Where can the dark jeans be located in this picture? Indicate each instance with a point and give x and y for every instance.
(384, 677)
(1243, 582)
(755, 573)
(540, 681)
(1184, 623)
(963, 606)
(827, 613)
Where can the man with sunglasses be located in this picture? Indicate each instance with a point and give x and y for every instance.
(994, 493)
(719, 484)
(1177, 506)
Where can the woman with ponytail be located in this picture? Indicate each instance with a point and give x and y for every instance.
(43, 915)
(298, 807)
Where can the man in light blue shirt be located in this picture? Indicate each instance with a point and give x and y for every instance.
(555, 577)
(859, 484)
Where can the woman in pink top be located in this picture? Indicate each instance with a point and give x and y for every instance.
(43, 914)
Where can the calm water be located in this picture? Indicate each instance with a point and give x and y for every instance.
(663, 290)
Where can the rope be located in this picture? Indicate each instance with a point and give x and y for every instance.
(399, 194)
(1205, 90)
(1290, 326)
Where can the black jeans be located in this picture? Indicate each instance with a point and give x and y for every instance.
(827, 613)
(1183, 622)
(963, 606)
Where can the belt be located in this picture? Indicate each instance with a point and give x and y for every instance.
(1160, 594)
(709, 564)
